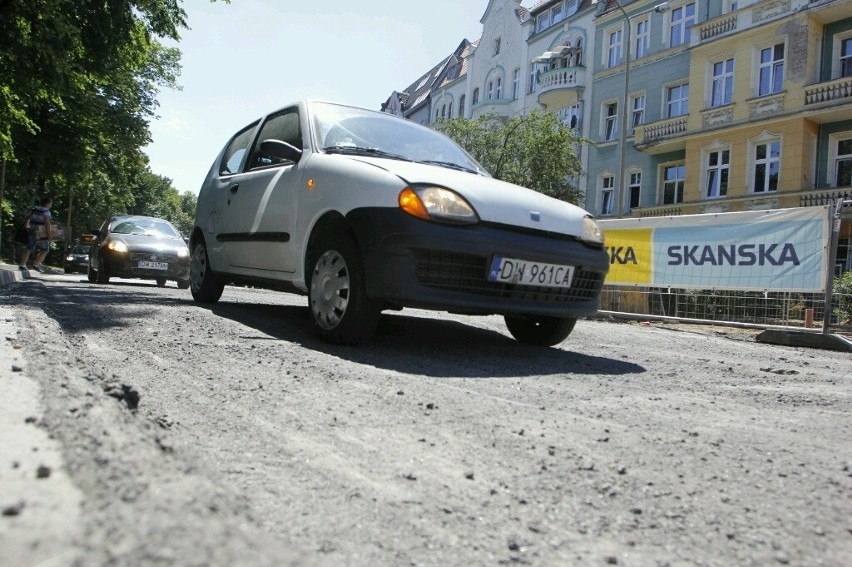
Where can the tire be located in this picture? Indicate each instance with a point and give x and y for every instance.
(337, 294)
(92, 274)
(183, 284)
(161, 282)
(103, 273)
(540, 330)
(202, 283)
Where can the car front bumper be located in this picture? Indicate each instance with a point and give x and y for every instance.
(414, 263)
(126, 265)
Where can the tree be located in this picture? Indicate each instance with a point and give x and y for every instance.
(78, 87)
(156, 197)
(536, 150)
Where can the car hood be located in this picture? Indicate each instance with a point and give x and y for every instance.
(494, 200)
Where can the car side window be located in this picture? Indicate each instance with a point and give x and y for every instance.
(236, 151)
(283, 126)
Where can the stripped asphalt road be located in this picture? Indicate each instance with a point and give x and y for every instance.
(229, 435)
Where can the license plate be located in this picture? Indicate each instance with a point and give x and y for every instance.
(525, 272)
(153, 265)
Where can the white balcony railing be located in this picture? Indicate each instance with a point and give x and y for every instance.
(664, 129)
(829, 91)
(562, 78)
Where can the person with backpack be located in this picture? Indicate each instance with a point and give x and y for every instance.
(39, 216)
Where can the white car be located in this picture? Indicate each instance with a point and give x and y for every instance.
(363, 211)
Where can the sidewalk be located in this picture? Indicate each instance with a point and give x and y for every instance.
(39, 504)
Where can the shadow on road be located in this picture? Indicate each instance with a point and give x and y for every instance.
(403, 343)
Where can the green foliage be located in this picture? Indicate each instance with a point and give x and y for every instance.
(156, 197)
(78, 87)
(536, 150)
(842, 294)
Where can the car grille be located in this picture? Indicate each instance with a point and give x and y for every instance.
(467, 273)
(153, 256)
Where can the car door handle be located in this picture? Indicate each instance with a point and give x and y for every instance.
(234, 188)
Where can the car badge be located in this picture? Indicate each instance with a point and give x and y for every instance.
(535, 216)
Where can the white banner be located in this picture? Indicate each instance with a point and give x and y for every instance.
(776, 250)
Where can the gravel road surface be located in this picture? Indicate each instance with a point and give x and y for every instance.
(162, 432)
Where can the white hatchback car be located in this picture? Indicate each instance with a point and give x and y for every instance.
(363, 211)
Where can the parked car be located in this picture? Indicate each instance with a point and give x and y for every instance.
(130, 246)
(77, 259)
(363, 211)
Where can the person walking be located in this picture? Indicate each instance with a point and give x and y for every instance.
(39, 216)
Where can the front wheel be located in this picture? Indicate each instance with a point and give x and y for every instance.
(102, 274)
(161, 282)
(341, 311)
(540, 330)
(91, 274)
(204, 286)
(183, 284)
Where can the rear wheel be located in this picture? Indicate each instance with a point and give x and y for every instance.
(183, 284)
(204, 286)
(540, 330)
(341, 311)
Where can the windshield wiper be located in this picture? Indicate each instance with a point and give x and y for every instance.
(362, 151)
(448, 164)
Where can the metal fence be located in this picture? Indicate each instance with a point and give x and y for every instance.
(733, 308)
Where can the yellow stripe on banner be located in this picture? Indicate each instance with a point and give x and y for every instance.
(630, 259)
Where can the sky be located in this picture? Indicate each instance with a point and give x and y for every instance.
(250, 57)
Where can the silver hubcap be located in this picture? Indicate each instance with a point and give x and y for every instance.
(198, 267)
(330, 290)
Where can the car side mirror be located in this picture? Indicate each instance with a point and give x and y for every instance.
(281, 150)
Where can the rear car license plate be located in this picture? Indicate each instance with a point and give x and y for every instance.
(145, 264)
(526, 272)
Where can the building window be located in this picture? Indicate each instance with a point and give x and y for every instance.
(437, 113)
(673, 181)
(610, 124)
(683, 19)
(497, 46)
(607, 184)
(444, 111)
(634, 188)
(767, 165)
(557, 14)
(533, 77)
(722, 88)
(461, 105)
(841, 158)
(516, 84)
(490, 91)
(643, 39)
(475, 96)
(570, 116)
(718, 164)
(637, 111)
(450, 110)
(731, 6)
(677, 100)
(845, 58)
(543, 21)
(613, 57)
(771, 73)
(499, 88)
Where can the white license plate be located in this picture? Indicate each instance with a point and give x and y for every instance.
(153, 265)
(525, 272)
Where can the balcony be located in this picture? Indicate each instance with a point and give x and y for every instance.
(561, 87)
(757, 14)
(661, 131)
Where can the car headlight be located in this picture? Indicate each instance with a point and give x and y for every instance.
(592, 232)
(69, 258)
(117, 246)
(183, 252)
(437, 203)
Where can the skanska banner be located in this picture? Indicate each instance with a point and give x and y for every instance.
(777, 250)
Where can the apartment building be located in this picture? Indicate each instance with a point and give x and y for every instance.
(692, 106)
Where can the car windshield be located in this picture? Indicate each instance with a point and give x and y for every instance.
(146, 227)
(80, 249)
(349, 130)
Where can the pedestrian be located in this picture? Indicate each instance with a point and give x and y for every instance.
(39, 217)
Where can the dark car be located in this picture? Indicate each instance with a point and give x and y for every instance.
(77, 260)
(131, 246)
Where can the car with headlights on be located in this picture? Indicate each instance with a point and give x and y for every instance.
(77, 259)
(134, 246)
(362, 211)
